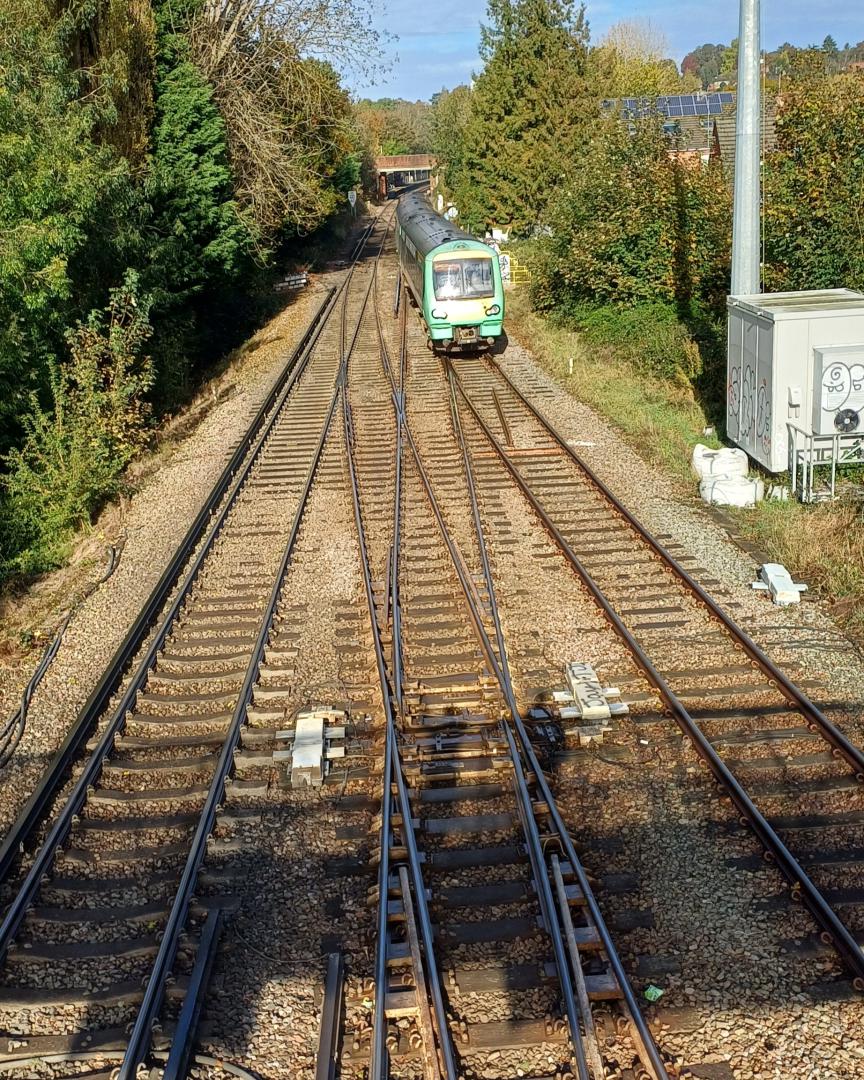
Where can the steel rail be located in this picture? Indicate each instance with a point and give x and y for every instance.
(141, 1035)
(328, 1034)
(395, 608)
(379, 1050)
(649, 1051)
(37, 805)
(142, 1030)
(793, 694)
(179, 1057)
(801, 884)
(379, 1066)
(529, 822)
(92, 770)
(52, 780)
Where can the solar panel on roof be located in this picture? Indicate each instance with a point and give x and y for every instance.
(672, 105)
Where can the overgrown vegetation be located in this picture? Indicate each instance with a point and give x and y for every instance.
(814, 183)
(659, 416)
(73, 455)
(637, 254)
(160, 158)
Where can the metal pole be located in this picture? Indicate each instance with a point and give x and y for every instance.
(747, 201)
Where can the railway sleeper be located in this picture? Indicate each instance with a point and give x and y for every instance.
(473, 1038)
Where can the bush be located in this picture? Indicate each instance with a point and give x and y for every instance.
(73, 456)
(649, 336)
(636, 225)
(813, 182)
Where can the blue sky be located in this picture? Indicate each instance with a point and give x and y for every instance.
(423, 60)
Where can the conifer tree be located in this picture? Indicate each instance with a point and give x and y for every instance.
(530, 111)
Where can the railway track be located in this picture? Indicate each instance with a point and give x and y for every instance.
(491, 953)
(793, 777)
(110, 916)
(484, 952)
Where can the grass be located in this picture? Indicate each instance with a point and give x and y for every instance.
(661, 419)
(822, 544)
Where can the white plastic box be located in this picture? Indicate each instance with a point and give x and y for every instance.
(796, 357)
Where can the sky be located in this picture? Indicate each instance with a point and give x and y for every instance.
(424, 60)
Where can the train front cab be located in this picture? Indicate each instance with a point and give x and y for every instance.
(463, 297)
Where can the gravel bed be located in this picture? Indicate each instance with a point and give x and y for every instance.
(654, 813)
(264, 1010)
(756, 1011)
(805, 632)
(154, 521)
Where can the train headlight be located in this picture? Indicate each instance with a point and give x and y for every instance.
(437, 313)
(494, 310)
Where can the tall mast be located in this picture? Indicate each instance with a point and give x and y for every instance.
(746, 278)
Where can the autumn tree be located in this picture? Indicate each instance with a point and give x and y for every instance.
(394, 126)
(633, 60)
(814, 182)
(289, 122)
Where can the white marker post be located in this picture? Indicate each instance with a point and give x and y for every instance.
(352, 199)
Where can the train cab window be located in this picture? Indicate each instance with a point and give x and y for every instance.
(463, 279)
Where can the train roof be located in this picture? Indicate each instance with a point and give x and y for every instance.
(427, 229)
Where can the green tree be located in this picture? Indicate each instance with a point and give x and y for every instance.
(530, 108)
(705, 63)
(60, 189)
(729, 60)
(451, 113)
(199, 252)
(814, 182)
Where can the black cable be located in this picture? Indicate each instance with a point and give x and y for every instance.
(16, 725)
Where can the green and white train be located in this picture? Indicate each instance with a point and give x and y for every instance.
(454, 279)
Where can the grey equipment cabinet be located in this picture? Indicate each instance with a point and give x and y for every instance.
(795, 380)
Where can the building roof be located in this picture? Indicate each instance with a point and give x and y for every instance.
(724, 136)
(689, 133)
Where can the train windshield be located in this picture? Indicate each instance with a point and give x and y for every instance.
(463, 279)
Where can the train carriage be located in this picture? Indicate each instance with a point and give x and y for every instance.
(454, 279)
